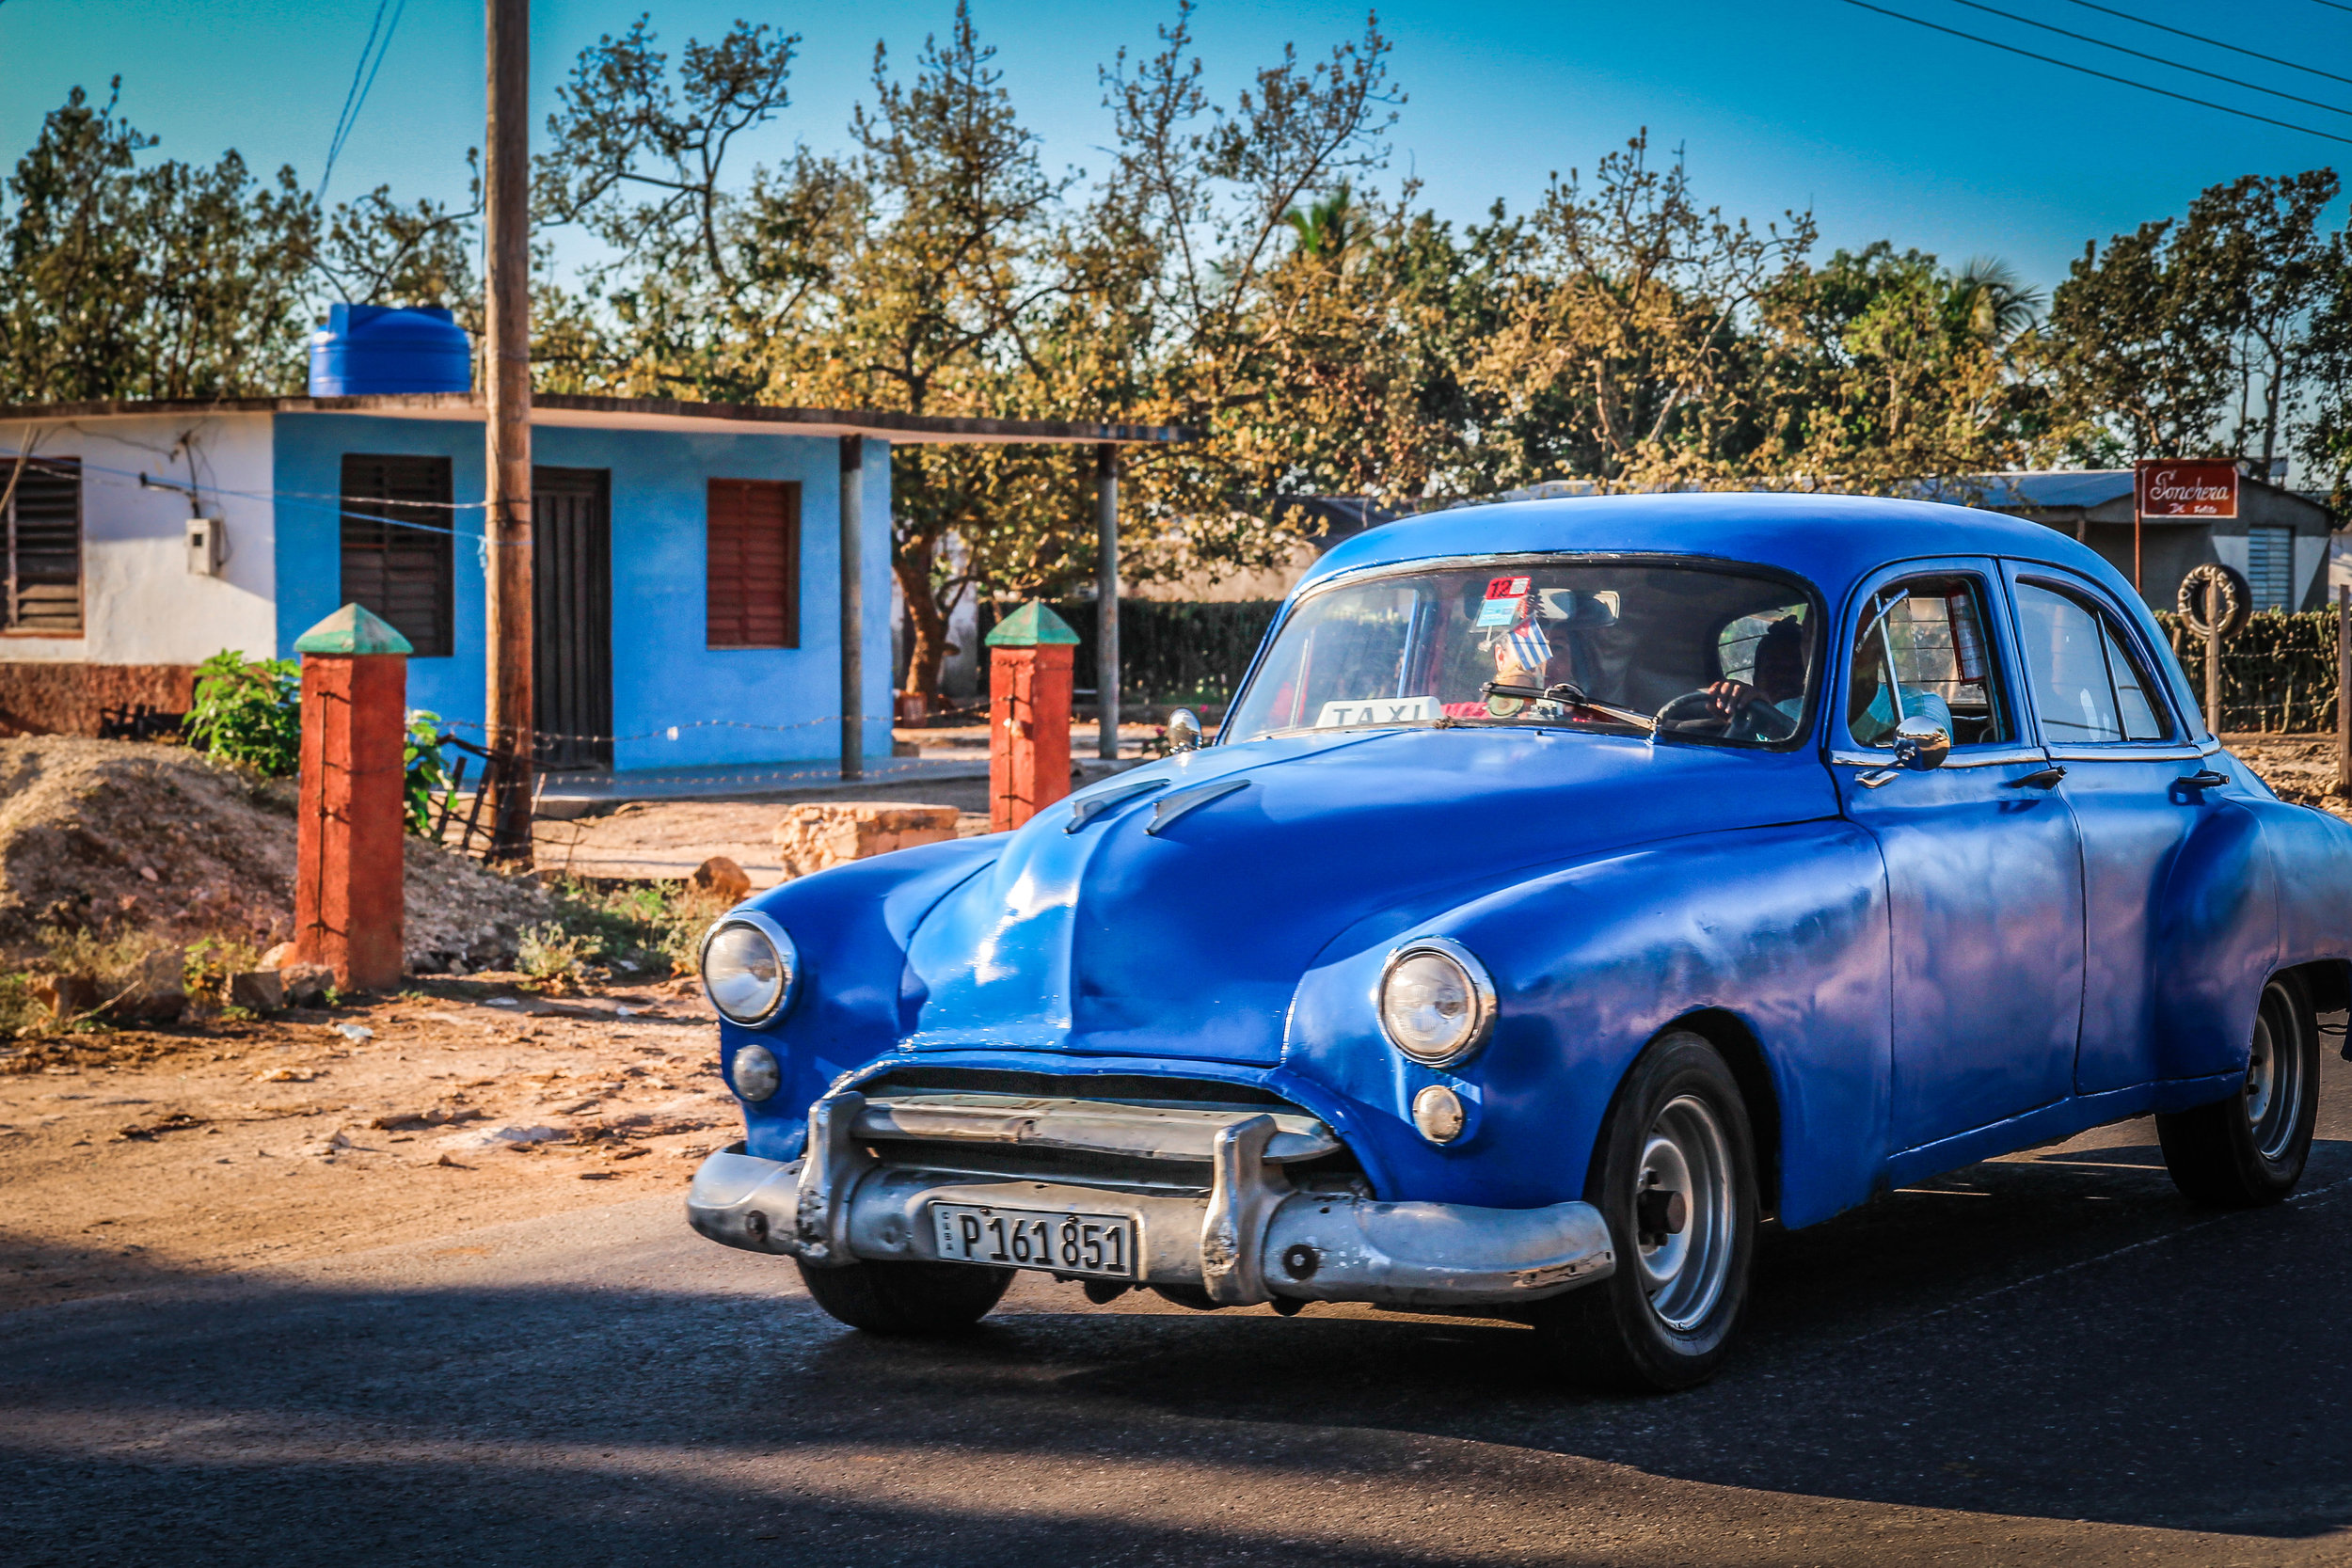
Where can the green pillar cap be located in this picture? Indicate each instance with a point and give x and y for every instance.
(1033, 626)
(354, 630)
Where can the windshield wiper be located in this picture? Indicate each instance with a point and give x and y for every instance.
(1573, 695)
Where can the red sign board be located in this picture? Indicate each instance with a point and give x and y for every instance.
(2170, 489)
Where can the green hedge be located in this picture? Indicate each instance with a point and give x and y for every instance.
(2279, 673)
(1175, 651)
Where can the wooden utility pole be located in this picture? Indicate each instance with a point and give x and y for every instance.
(2212, 658)
(507, 365)
(1106, 600)
(852, 609)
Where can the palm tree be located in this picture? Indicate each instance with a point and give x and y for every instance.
(1330, 226)
(1988, 299)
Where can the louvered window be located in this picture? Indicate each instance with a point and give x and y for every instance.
(755, 565)
(396, 547)
(2270, 566)
(44, 543)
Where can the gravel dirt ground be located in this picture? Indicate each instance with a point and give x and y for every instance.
(125, 1156)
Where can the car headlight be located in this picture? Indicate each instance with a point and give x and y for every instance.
(1437, 1003)
(756, 1073)
(749, 967)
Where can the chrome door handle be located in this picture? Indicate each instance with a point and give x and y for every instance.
(1878, 778)
(2041, 778)
(2206, 779)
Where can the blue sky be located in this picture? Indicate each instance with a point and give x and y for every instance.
(1881, 128)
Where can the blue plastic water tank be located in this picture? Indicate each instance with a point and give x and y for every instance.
(366, 349)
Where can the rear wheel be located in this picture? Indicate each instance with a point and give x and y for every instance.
(1675, 1176)
(910, 1299)
(2250, 1148)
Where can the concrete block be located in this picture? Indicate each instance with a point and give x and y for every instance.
(822, 834)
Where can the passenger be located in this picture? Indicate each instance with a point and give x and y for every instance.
(1870, 713)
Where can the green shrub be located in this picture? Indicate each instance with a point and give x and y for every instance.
(425, 773)
(638, 928)
(249, 714)
(558, 959)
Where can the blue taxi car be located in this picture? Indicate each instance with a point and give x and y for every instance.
(1572, 886)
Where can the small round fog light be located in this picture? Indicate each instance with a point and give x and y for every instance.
(757, 1075)
(1437, 1112)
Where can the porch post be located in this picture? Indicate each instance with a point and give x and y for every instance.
(852, 609)
(1106, 600)
(2344, 690)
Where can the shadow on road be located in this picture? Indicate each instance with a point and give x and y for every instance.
(2056, 1336)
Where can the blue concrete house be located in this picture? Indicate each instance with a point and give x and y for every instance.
(687, 558)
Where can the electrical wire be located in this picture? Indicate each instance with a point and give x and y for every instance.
(2141, 54)
(379, 43)
(2105, 76)
(2217, 44)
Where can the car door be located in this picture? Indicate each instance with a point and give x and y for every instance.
(1984, 881)
(2104, 717)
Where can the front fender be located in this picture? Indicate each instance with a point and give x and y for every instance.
(851, 926)
(1783, 927)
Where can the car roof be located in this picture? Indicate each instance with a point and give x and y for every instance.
(1828, 540)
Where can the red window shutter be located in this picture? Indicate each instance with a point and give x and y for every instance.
(753, 598)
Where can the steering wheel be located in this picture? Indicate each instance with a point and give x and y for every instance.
(1694, 711)
(1697, 712)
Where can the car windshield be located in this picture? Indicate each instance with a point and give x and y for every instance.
(1697, 652)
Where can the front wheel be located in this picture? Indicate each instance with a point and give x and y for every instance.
(2250, 1148)
(1675, 1176)
(907, 1299)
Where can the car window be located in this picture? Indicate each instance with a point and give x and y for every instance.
(1707, 653)
(2087, 688)
(1922, 651)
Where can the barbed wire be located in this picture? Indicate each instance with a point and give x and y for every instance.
(669, 732)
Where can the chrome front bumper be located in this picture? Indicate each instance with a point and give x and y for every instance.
(1254, 1235)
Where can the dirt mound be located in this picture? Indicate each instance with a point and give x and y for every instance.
(103, 835)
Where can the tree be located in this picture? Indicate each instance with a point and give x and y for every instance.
(166, 280)
(1621, 353)
(137, 277)
(1879, 369)
(2255, 248)
(2151, 341)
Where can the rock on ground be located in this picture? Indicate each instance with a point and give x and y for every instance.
(107, 834)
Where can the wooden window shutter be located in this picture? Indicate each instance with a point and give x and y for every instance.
(396, 555)
(753, 578)
(44, 523)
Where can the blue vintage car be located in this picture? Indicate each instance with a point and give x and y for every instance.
(1573, 885)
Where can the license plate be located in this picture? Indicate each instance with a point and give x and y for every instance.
(1101, 1244)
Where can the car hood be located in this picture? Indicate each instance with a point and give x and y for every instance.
(1114, 941)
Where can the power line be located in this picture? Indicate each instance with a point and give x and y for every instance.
(2105, 76)
(379, 43)
(2140, 54)
(2198, 37)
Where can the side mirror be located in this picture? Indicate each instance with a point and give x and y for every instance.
(1921, 744)
(1184, 731)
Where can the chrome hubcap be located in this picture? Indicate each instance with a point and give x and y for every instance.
(2274, 1075)
(1684, 1267)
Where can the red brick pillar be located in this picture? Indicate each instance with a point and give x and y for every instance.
(347, 870)
(1029, 710)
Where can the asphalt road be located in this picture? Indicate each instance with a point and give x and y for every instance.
(2046, 1359)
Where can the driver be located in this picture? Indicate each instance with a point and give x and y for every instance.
(1771, 706)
